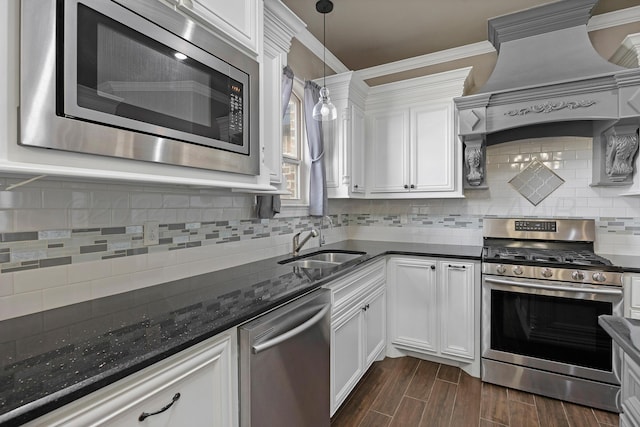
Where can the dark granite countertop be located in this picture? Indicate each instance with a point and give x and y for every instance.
(51, 358)
(628, 263)
(620, 329)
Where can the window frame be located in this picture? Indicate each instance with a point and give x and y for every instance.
(302, 161)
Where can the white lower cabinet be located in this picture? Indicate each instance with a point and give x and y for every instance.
(632, 295)
(433, 307)
(630, 391)
(358, 328)
(198, 387)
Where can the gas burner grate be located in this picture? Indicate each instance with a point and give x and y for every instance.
(554, 256)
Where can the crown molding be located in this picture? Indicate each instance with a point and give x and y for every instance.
(429, 59)
(628, 54)
(613, 19)
(280, 25)
(315, 46)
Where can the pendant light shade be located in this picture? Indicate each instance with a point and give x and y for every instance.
(324, 110)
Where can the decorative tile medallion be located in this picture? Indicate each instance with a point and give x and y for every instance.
(536, 182)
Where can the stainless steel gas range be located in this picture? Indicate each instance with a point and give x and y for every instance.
(543, 288)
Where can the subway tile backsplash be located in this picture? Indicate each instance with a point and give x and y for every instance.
(63, 242)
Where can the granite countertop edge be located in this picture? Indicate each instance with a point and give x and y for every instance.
(374, 250)
(620, 330)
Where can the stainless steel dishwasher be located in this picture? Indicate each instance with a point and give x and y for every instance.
(284, 365)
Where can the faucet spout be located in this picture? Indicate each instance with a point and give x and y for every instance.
(322, 242)
(297, 245)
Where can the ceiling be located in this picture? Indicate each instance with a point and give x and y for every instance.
(366, 33)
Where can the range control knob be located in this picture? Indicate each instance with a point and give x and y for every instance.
(577, 275)
(501, 269)
(599, 277)
(546, 272)
(517, 270)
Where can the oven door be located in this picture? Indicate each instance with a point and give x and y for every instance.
(552, 326)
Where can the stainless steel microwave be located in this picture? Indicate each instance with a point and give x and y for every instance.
(138, 80)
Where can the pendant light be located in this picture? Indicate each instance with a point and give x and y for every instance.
(324, 110)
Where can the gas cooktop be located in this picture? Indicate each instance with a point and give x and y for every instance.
(544, 256)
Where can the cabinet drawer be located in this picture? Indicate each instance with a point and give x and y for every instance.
(348, 288)
(195, 386)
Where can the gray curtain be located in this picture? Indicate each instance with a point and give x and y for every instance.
(287, 87)
(317, 179)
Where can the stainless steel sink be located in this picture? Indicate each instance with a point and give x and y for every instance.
(324, 259)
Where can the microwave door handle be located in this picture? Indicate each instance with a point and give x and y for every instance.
(553, 288)
(291, 332)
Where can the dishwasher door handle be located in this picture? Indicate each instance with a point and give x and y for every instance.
(291, 332)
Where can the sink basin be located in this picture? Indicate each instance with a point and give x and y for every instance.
(312, 263)
(323, 259)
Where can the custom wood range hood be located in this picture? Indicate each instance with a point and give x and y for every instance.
(550, 81)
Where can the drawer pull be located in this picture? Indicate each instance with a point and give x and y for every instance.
(457, 266)
(145, 415)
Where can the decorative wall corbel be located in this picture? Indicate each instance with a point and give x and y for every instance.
(621, 150)
(474, 163)
(614, 151)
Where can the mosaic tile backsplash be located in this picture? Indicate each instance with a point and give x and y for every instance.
(48, 248)
(29, 250)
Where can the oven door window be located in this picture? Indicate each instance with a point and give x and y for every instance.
(560, 329)
(124, 73)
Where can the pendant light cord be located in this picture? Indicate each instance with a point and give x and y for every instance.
(324, 49)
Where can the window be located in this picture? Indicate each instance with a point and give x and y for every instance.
(294, 168)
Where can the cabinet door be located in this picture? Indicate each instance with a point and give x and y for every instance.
(375, 325)
(236, 20)
(389, 171)
(336, 134)
(357, 151)
(457, 309)
(632, 291)
(346, 355)
(413, 307)
(433, 148)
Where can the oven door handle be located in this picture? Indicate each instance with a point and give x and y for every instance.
(554, 288)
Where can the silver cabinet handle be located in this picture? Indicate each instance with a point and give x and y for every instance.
(554, 288)
(143, 416)
(291, 332)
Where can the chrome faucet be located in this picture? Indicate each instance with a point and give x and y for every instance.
(297, 245)
(322, 242)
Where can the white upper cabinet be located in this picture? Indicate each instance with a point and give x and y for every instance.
(236, 21)
(411, 138)
(344, 145)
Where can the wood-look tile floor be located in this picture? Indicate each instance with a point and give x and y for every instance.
(411, 392)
